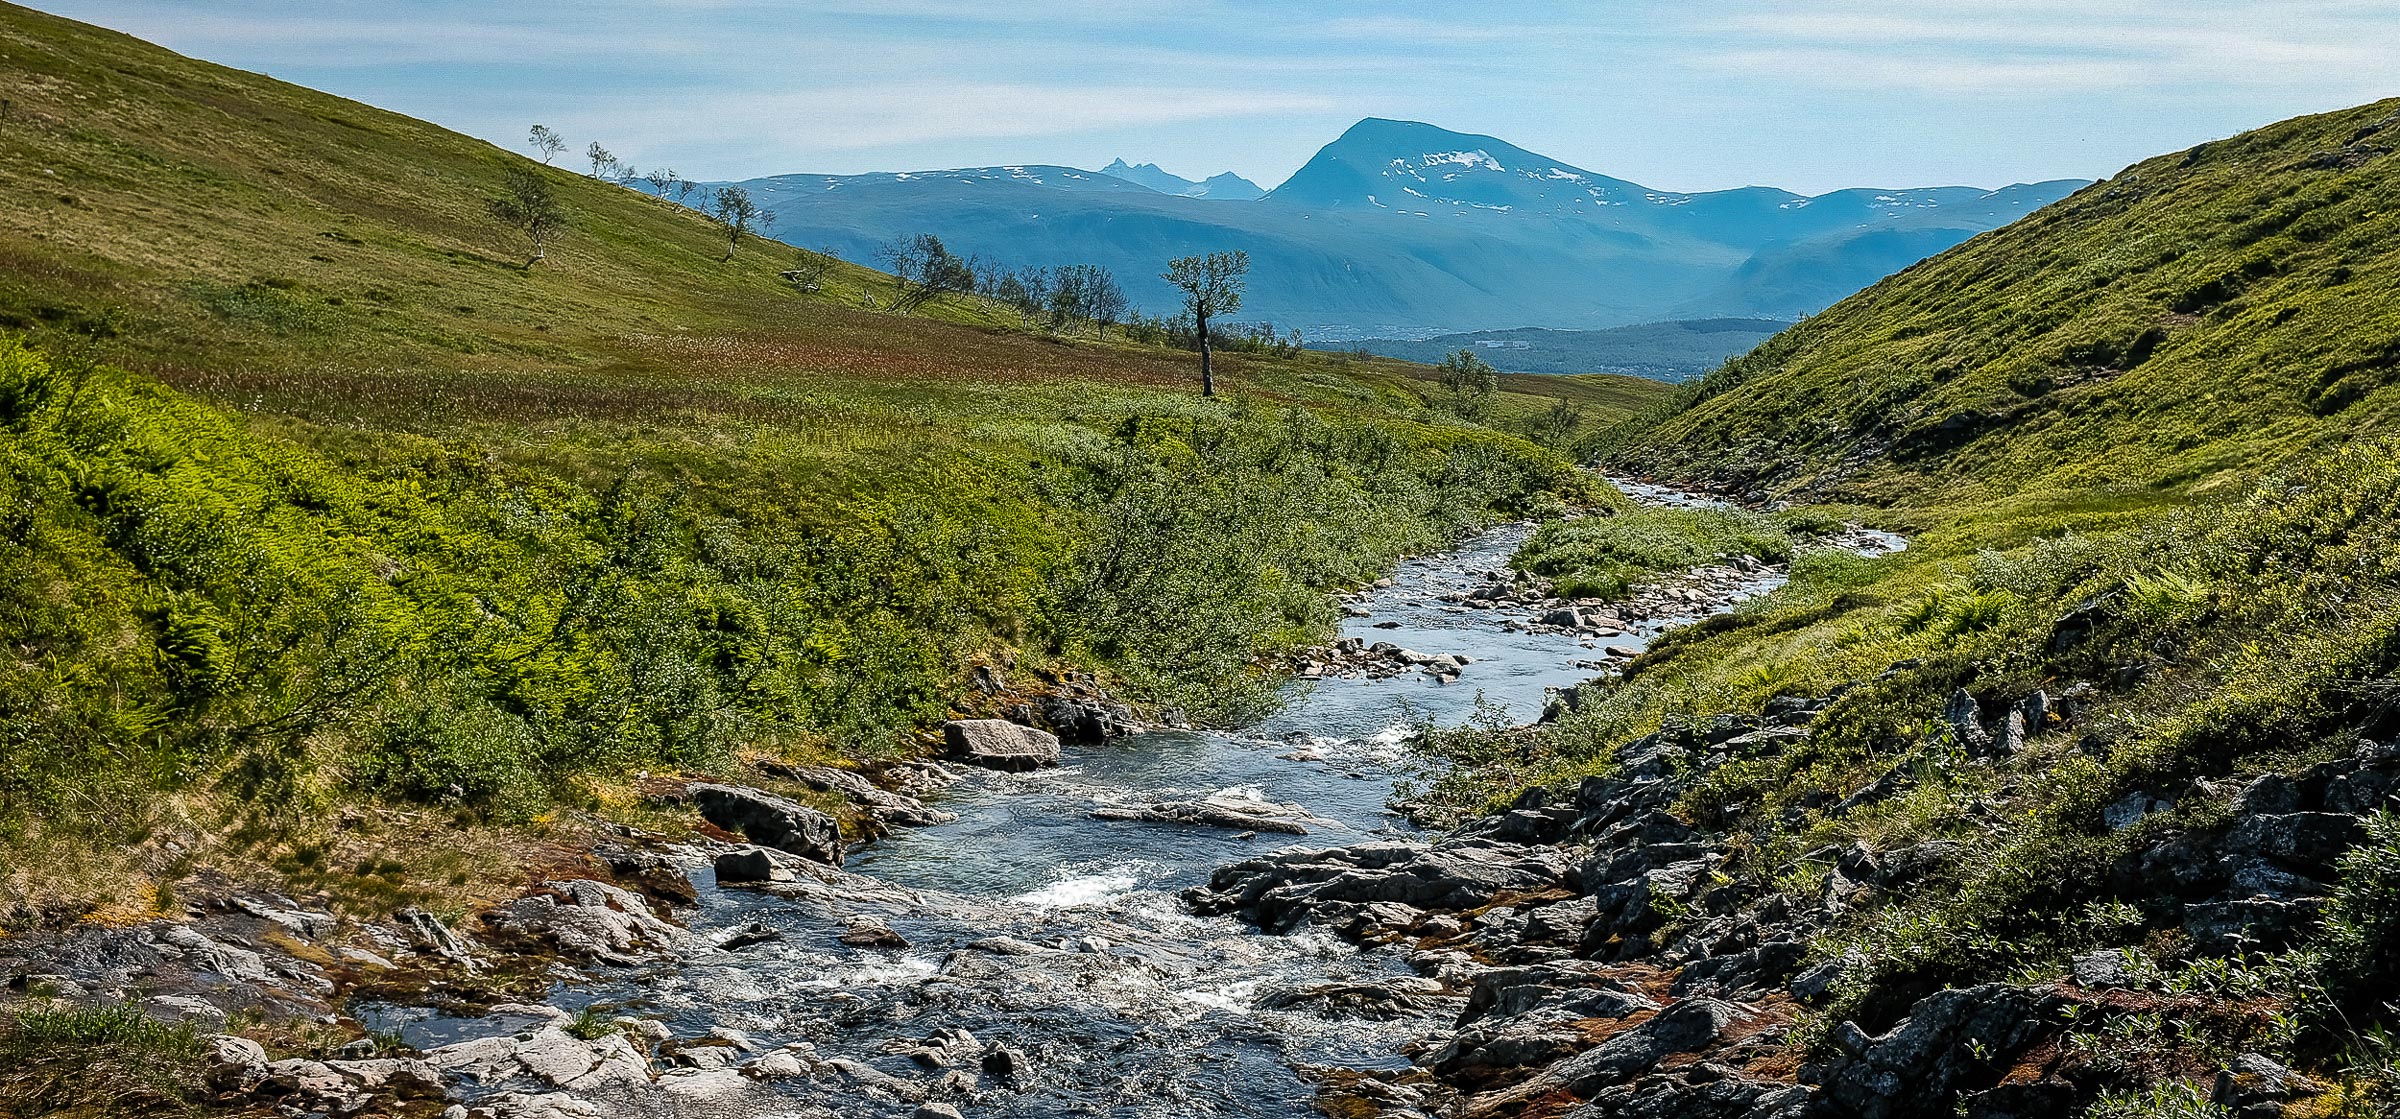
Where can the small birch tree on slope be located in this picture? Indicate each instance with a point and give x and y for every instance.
(1212, 285)
(528, 207)
(546, 142)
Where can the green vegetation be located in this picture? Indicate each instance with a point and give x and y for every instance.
(316, 494)
(2202, 315)
(1605, 557)
(59, 1061)
(2139, 441)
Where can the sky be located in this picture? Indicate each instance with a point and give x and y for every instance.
(1809, 95)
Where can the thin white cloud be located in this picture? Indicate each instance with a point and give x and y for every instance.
(860, 118)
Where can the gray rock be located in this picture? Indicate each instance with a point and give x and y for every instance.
(235, 1064)
(428, 935)
(2104, 969)
(888, 808)
(1965, 718)
(2131, 809)
(771, 821)
(1280, 891)
(999, 744)
(756, 864)
(183, 1008)
(937, 1111)
(1687, 1026)
(1231, 811)
(1952, 1041)
(747, 934)
(586, 919)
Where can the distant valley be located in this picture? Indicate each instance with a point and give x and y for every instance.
(1400, 230)
(1663, 351)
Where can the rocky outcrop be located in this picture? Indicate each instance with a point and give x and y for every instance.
(887, 809)
(999, 744)
(583, 919)
(771, 821)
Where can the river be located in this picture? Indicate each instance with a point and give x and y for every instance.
(1034, 926)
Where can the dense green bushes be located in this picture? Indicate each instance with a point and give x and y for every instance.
(1604, 557)
(186, 602)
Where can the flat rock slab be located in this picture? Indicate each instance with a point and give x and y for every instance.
(999, 744)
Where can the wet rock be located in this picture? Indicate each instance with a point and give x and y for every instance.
(999, 744)
(747, 934)
(1007, 1064)
(1280, 891)
(867, 932)
(1086, 721)
(1398, 997)
(771, 821)
(745, 866)
(1233, 811)
(937, 1111)
(585, 919)
(778, 1065)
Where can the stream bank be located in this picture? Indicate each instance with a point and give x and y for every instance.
(1064, 944)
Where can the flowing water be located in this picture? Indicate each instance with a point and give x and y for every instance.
(1034, 925)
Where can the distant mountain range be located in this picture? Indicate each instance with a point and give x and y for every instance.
(1227, 187)
(1661, 351)
(1400, 229)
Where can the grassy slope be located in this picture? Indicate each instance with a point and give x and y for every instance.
(2161, 407)
(411, 519)
(2200, 315)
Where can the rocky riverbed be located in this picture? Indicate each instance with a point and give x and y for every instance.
(1130, 923)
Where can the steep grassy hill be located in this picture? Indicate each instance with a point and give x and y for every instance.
(2127, 698)
(316, 494)
(2200, 315)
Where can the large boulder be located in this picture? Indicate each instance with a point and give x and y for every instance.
(585, 919)
(1284, 890)
(771, 821)
(999, 744)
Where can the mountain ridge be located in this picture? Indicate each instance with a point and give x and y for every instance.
(1399, 228)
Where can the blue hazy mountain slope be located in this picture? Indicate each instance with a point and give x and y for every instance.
(1662, 351)
(1401, 229)
(1226, 187)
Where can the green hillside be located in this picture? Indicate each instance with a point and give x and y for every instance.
(2142, 444)
(317, 494)
(2200, 315)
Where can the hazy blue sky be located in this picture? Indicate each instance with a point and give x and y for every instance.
(1677, 94)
